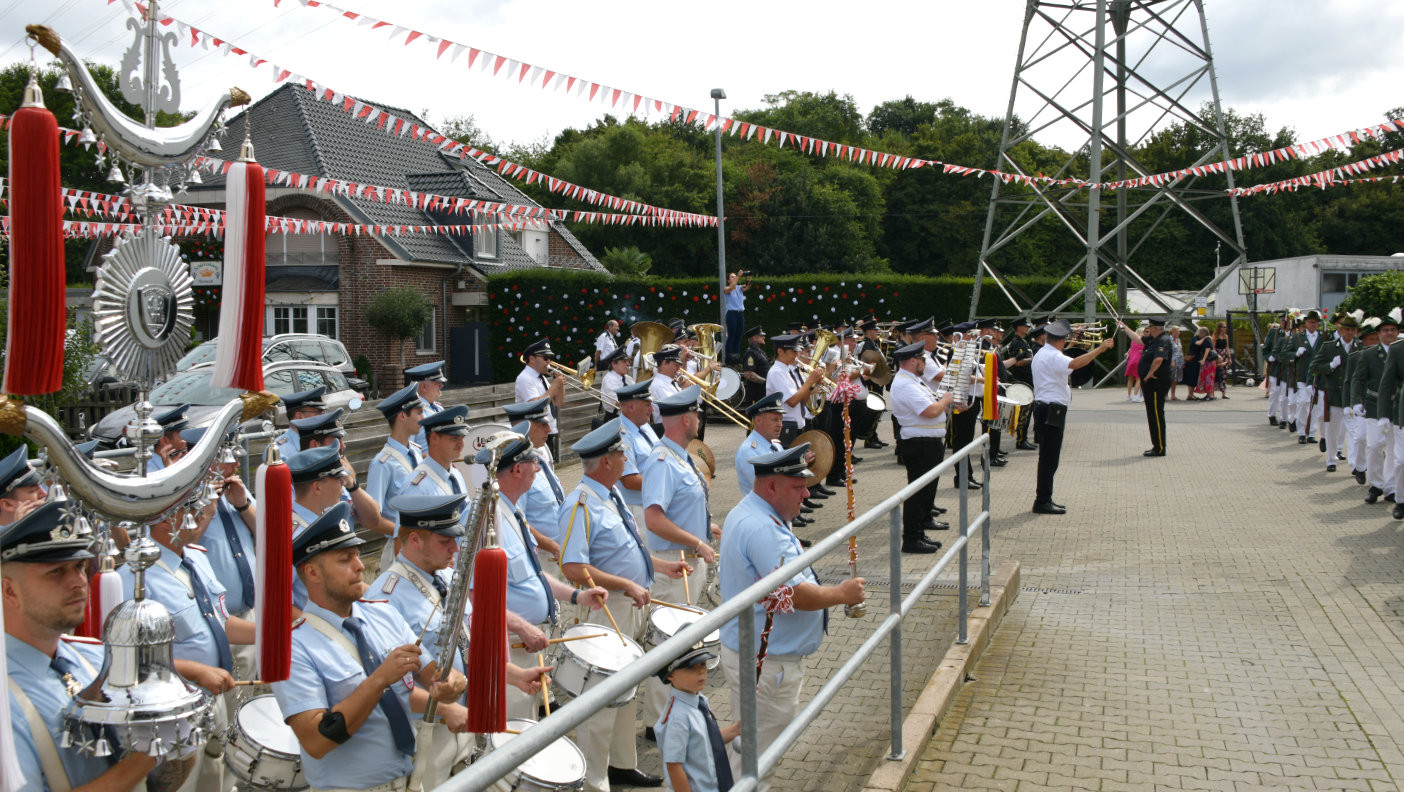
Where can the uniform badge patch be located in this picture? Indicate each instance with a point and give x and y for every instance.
(390, 583)
(419, 478)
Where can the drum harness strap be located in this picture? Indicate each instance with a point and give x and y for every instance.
(49, 762)
(405, 572)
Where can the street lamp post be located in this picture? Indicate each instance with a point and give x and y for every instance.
(718, 95)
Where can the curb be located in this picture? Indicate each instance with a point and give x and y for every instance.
(921, 723)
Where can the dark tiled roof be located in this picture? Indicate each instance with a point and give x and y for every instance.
(293, 131)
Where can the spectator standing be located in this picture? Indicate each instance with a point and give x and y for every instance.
(734, 293)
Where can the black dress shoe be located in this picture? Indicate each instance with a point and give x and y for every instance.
(633, 777)
(1025, 445)
(998, 463)
(824, 489)
(1359, 476)
(1292, 427)
(1153, 452)
(1301, 440)
(1048, 508)
(1399, 511)
(1373, 494)
(916, 546)
(815, 494)
(1340, 457)
(972, 484)
(857, 459)
(938, 510)
(806, 510)
(875, 443)
(1330, 468)
(800, 522)
(1390, 497)
(1272, 421)
(805, 543)
(936, 525)
(649, 735)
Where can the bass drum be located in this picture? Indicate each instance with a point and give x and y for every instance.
(728, 385)
(864, 415)
(477, 437)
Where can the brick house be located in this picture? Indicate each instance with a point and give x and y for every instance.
(324, 283)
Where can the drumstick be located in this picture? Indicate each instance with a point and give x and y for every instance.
(675, 606)
(432, 611)
(243, 683)
(682, 556)
(545, 692)
(568, 639)
(612, 622)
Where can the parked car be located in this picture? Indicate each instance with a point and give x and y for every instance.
(100, 375)
(194, 388)
(286, 346)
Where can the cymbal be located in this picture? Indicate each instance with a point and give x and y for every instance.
(823, 448)
(882, 373)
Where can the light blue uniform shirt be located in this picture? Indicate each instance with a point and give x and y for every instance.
(670, 481)
(430, 478)
(194, 639)
(528, 594)
(388, 473)
(154, 464)
(755, 542)
(429, 409)
(29, 669)
(407, 594)
(288, 443)
(753, 446)
(682, 738)
(543, 500)
(324, 674)
(596, 533)
(221, 555)
(302, 517)
(638, 441)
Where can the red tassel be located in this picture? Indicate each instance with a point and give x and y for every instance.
(104, 594)
(273, 603)
(487, 645)
(92, 618)
(239, 356)
(34, 340)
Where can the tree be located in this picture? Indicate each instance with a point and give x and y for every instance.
(628, 261)
(1376, 295)
(399, 313)
(465, 129)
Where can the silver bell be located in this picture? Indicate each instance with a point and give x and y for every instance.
(194, 178)
(115, 175)
(65, 85)
(214, 146)
(86, 137)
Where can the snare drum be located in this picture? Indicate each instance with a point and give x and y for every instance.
(262, 750)
(580, 665)
(664, 623)
(558, 767)
(1007, 410)
(728, 384)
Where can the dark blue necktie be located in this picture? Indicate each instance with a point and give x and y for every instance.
(707, 501)
(227, 516)
(536, 566)
(439, 586)
(555, 482)
(202, 601)
(718, 746)
(390, 704)
(628, 518)
(413, 458)
(453, 482)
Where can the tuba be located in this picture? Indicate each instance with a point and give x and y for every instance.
(823, 339)
(706, 340)
(652, 336)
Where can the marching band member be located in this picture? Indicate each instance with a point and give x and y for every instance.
(436, 474)
(690, 742)
(1156, 379)
(540, 503)
(607, 342)
(667, 361)
(1328, 364)
(532, 594)
(767, 417)
(602, 544)
(1365, 383)
(616, 376)
(754, 364)
(391, 469)
(356, 671)
(636, 407)
(1285, 353)
(922, 417)
(533, 384)
(784, 378)
(326, 430)
(304, 404)
(1021, 350)
(170, 445)
(1052, 378)
(1308, 340)
(757, 540)
(44, 590)
(429, 382)
(19, 486)
(1391, 406)
(318, 477)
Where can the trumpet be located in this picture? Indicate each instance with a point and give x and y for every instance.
(1087, 335)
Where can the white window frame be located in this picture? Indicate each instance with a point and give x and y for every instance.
(431, 331)
(291, 319)
(485, 243)
(327, 313)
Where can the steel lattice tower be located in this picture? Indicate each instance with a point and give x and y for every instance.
(1107, 74)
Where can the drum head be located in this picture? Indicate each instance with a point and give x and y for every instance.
(728, 385)
(1019, 393)
(559, 764)
(261, 719)
(875, 402)
(670, 620)
(604, 652)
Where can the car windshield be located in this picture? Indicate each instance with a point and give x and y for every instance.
(193, 387)
(203, 353)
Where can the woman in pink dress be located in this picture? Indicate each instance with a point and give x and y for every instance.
(1133, 362)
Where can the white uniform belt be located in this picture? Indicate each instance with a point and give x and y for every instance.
(397, 785)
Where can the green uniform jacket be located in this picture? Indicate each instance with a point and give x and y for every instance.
(1286, 355)
(1301, 368)
(1270, 349)
(1390, 379)
(1348, 369)
(1365, 378)
(1332, 381)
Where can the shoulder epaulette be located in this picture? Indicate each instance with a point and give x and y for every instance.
(299, 622)
(662, 453)
(374, 602)
(753, 444)
(669, 710)
(384, 457)
(415, 481)
(390, 582)
(80, 639)
(584, 496)
(197, 547)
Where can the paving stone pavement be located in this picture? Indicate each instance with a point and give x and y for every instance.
(1228, 617)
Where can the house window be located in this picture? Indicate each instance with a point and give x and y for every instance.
(326, 320)
(425, 345)
(289, 319)
(306, 249)
(485, 243)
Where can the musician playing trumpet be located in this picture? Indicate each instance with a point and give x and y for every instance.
(667, 362)
(793, 386)
(533, 383)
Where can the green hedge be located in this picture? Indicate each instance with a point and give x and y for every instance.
(571, 307)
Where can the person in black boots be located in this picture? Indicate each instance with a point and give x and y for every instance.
(1155, 381)
(1052, 375)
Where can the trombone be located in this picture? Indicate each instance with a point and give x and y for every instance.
(585, 383)
(652, 336)
(737, 417)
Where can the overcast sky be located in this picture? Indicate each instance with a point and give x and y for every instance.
(1317, 66)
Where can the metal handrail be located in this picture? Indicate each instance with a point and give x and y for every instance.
(497, 763)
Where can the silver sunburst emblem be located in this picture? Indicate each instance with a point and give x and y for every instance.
(143, 306)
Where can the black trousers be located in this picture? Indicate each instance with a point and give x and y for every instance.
(830, 422)
(919, 455)
(961, 428)
(788, 431)
(1155, 416)
(1050, 450)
